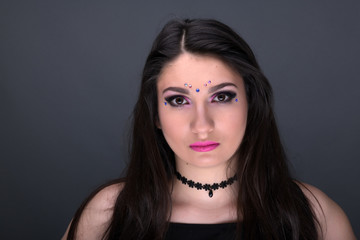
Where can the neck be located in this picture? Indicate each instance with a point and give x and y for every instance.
(212, 174)
(221, 196)
(195, 206)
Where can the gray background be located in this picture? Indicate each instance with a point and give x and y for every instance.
(69, 77)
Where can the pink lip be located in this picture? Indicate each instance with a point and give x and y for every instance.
(204, 146)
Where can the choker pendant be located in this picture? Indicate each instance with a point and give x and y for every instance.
(211, 193)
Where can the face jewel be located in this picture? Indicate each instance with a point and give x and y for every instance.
(165, 103)
(209, 81)
(197, 90)
(185, 84)
(190, 86)
(205, 84)
(236, 100)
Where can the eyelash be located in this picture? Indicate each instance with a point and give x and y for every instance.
(228, 97)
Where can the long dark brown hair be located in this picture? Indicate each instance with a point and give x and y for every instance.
(270, 204)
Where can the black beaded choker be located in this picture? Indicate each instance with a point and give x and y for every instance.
(206, 187)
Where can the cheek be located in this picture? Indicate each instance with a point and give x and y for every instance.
(240, 123)
(233, 122)
(236, 126)
(171, 124)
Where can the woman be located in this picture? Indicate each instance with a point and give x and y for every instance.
(206, 157)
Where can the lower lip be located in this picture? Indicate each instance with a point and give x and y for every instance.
(205, 148)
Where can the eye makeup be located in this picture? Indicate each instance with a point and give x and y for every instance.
(220, 97)
(223, 97)
(177, 100)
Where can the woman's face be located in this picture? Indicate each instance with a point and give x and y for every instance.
(202, 109)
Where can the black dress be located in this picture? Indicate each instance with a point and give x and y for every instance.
(181, 231)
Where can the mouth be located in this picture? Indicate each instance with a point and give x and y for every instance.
(204, 146)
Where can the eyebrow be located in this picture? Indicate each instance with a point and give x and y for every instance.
(211, 90)
(221, 85)
(177, 89)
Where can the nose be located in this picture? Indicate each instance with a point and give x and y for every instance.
(202, 122)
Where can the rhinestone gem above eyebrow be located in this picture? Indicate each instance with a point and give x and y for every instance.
(197, 89)
(165, 103)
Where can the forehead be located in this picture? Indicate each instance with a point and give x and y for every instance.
(196, 69)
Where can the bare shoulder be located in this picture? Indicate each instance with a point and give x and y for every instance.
(333, 220)
(105, 199)
(97, 214)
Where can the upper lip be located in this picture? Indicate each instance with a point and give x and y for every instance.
(203, 144)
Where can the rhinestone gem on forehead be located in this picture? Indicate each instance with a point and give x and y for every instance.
(197, 89)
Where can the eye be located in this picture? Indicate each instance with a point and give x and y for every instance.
(223, 97)
(177, 101)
